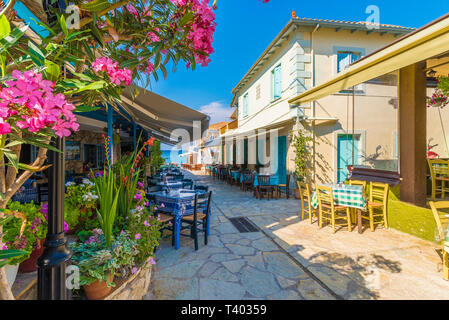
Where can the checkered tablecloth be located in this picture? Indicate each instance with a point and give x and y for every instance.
(347, 196)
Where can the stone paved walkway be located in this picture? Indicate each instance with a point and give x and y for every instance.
(233, 266)
(292, 259)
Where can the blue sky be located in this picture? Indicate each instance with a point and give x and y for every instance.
(245, 29)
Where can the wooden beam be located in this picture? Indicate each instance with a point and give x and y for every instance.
(412, 133)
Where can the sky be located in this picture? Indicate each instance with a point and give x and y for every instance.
(244, 30)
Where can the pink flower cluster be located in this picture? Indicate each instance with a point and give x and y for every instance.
(116, 75)
(438, 99)
(202, 31)
(29, 102)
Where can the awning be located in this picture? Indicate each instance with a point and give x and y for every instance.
(422, 44)
(161, 115)
(267, 124)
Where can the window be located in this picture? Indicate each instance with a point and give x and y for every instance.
(258, 92)
(277, 82)
(346, 58)
(245, 105)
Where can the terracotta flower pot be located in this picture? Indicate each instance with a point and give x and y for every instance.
(30, 264)
(98, 290)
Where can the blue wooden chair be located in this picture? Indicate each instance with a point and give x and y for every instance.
(199, 220)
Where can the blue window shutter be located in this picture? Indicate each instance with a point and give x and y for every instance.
(277, 84)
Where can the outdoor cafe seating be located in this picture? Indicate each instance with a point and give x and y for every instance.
(351, 202)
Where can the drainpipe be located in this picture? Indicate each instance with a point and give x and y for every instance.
(312, 53)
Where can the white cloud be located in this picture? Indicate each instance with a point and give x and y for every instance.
(217, 111)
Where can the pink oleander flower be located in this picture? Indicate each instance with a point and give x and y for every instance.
(116, 75)
(28, 102)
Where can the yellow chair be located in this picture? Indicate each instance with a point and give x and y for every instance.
(439, 171)
(356, 183)
(329, 211)
(377, 204)
(442, 222)
(306, 201)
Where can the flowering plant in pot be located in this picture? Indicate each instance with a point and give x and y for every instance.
(145, 227)
(80, 205)
(31, 238)
(99, 262)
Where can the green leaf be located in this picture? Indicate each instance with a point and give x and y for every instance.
(84, 108)
(5, 27)
(12, 157)
(39, 143)
(7, 254)
(95, 6)
(52, 71)
(92, 86)
(13, 37)
(63, 24)
(36, 54)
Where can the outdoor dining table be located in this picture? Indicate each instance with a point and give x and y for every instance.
(346, 196)
(235, 174)
(170, 184)
(179, 203)
(274, 180)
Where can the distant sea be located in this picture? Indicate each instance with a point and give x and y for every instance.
(173, 157)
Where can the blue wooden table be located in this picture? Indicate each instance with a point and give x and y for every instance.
(180, 203)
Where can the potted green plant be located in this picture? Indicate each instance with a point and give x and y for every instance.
(302, 157)
(7, 255)
(99, 262)
(80, 203)
(26, 233)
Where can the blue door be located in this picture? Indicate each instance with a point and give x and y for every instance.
(282, 159)
(344, 154)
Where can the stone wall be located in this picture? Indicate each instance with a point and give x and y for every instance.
(135, 287)
(132, 288)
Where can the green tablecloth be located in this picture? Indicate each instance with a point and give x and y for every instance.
(346, 195)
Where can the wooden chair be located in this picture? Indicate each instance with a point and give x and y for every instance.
(248, 182)
(199, 220)
(439, 171)
(377, 204)
(442, 221)
(284, 188)
(329, 211)
(357, 183)
(264, 187)
(306, 201)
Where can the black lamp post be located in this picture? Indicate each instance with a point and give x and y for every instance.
(51, 276)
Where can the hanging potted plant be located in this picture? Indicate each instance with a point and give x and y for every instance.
(437, 100)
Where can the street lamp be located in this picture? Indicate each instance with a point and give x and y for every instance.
(51, 275)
